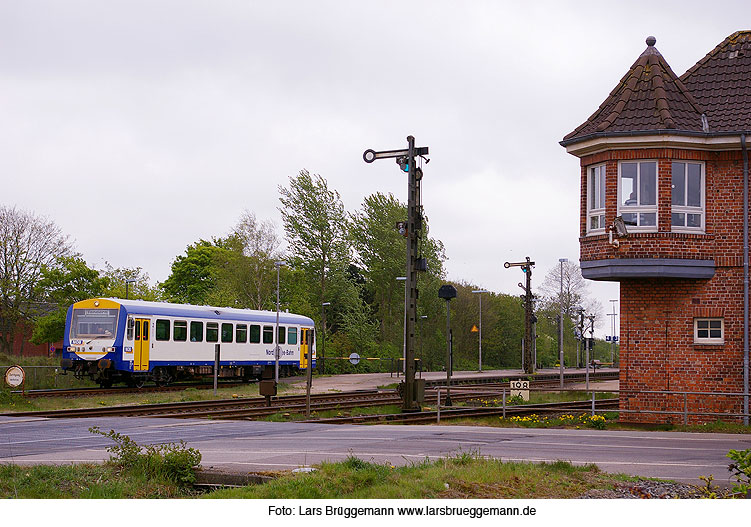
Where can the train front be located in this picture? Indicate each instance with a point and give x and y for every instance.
(93, 335)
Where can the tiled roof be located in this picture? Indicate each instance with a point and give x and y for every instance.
(721, 82)
(649, 97)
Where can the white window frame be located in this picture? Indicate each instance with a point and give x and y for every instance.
(685, 209)
(637, 209)
(595, 191)
(709, 340)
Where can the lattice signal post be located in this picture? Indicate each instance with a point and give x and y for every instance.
(411, 395)
(528, 363)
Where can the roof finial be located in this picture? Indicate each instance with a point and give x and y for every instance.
(651, 41)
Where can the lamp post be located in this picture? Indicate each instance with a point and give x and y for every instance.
(479, 352)
(278, 265)
(447, 292)
(127, 284)
(323, 335)
(560, 324)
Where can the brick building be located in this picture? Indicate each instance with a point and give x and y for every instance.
(663, 165)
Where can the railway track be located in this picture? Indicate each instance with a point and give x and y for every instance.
(256, 407)
(468, 412)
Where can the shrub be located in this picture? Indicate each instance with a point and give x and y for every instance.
(741, 469)
(173, 461)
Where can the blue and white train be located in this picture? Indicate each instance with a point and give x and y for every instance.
(133, 341)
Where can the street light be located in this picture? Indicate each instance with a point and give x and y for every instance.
(127, 283)
(560, 323)
(276, 339)
(479, 353)
(323, 336)
(447, 292)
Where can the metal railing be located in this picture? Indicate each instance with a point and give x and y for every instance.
(684, 410)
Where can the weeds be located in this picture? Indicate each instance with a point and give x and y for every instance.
(741, 469)
(172, 461)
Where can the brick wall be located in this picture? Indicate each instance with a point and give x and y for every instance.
(657, 315)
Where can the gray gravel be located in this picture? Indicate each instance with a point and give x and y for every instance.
(646, 489)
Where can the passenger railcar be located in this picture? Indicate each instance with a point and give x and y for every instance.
(133, 341)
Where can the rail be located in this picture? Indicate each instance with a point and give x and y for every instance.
(683, 395)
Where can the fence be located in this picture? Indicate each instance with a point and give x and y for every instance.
(683, 411)
(45, 377)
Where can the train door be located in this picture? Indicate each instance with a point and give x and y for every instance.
(141, 345)
(303, 348)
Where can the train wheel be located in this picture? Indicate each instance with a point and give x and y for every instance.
(163, 376)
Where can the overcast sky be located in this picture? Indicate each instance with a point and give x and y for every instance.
(140, 127)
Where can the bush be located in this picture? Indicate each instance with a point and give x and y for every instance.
(172, 461)
(741, 469)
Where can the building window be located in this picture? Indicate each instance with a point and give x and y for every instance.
(709, 331)
(687, 197)
(637, 192)
(596, 199)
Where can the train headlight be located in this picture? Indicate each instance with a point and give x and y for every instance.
(110, 350)
(71, 348)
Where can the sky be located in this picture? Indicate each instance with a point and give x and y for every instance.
(142, 126)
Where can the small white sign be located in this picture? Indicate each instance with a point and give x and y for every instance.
(14, 376)
(521, 388)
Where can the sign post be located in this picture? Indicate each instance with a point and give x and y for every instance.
(406, 159)
(15, 377)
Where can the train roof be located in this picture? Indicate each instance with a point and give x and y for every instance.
(144, 307)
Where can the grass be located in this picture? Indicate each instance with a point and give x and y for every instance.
(17, 403)
(465, 475)
(84, 481)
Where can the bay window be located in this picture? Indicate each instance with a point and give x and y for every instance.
(596, 199)
(637, 191)
(687, 211)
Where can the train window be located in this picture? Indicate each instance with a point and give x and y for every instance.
(131, 325)
(281, 334)
(227, 332)
(241, 333)
(212, 331)
(162, 329)
(146, 329)
(180, 331)
(138, 330)
(268, 335)
(196, 331)
(292, 336)
(255, 334)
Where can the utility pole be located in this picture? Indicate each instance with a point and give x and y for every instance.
(406, 161)
(528, 364)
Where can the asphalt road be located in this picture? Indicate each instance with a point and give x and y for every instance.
(247, 446)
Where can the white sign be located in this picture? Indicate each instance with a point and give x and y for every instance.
(14, 376)
(521, 388)
(354, 358)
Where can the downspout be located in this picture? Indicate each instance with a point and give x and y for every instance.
(745, 278)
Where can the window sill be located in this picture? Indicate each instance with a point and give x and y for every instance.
(709, 346)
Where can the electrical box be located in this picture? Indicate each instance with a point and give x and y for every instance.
(267, 388)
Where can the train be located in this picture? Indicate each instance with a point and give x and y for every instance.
(111, 340)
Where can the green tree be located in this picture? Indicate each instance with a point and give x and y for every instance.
(137, 281)
(316, 227)
(195, 275)
(68, 281)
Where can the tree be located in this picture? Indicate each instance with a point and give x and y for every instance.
(28, 243)
(133, 281)
(195, 275)
(316, 226)
(70, 280)
(575, 291)
(255, 275)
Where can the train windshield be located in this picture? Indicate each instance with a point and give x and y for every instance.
(92, 323)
